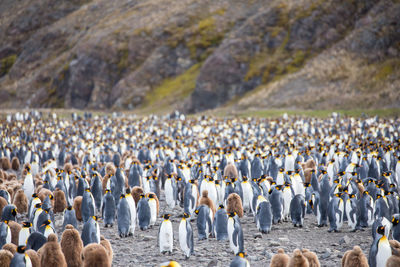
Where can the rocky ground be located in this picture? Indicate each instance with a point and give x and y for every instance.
(142, 249)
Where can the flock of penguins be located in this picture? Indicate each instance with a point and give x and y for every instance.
(342, 170)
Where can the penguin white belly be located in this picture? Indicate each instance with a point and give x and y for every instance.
(280, 180)
(97, 233)
(153, 211)
(318, 216)
(146, 186)
(339, 219)
(48, 231)
(212, 192)
(35, 168)
(182, 238)
(35, 219)
(28, 262)
(34, 202)
(247, 195)
(166, 238)
(231, 228)
(289, 163)
(287, 198)
(219, 198)
(169, 194)
(298, 187)
(23, 236)
(28, 186)
(8, 238)
(383, 253)
(351, 220)
(132, 208)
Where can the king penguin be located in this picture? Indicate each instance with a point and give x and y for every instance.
(143, 213)
(186, 236)
(5, 233)
(26, 230)
(380, 249)
(70, 217)
(335, 213)
(235, 233)
(88, 205)
(297, 210)
(221, 224)
(124, 217)
(165, 235)
(264, 217)
(90, 231)
(21, 259)
(204, 221)
(108, 209)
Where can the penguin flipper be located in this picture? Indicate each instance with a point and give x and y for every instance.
(235, 236)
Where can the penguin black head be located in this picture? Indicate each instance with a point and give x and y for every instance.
(69, 208)
(38, 205)
(166, 216)
(47, 222)
(34, 195)
(26, 224)
(186, 215)
(151, 196)
(127, 191)
(381, 230)
(221, 206)
(122, 196)
(232, 214)
(95, 218)
(141, 195)
(87, 189)
(21, 249)
(307, 185)
(338, 194)
(51, 196)
(395, 221)
(352, 195)
(14, 212)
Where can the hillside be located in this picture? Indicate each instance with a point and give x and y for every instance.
(158, 55)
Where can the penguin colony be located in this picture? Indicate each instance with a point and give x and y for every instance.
(114, 171)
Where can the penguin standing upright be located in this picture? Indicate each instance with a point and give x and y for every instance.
(97, 190)
(204, 221)
(9, 213)
(396, 227)
(124, 217)
(21, 259)
(70, 217)
(276, 200)
(28, 186)
(235, 233)
(143, 213)
(32, 203)
(186, 236)
(91, 231)
(165, 235)
(5, 233)
(190, 197)
(170, 191)
(108, 209)
(153, 209)
(88, 205)
(352, 212)
(336, 213)
(220, 224)
(47, 228)
(297, 210)
(26, 230)
(324, 199)
(247, 194)
(264, 217)
(380, 249)
(132, 208)
(366, 207)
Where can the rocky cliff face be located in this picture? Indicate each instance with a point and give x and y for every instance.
(157, 55)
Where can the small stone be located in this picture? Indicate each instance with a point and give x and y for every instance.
(267, 254)
(335, 244)
(345, 240)
(274, 244)
(283, 239)
(257, 235)
(252, 258)
(213, 263)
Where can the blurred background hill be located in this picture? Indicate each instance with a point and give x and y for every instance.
(161, 55)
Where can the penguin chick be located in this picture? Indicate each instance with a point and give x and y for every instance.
(298, 260)
(107, 245)
(280, 259)
(230, 171)
(15, 229)
(60, 203)
(5, 163)
(35, 260)
(51, 253)
(77, 207)
(110, 169)
(15, 163)
(234, 204)
(21, 201)
(5, 258)
(71, 246)
(354, 258)
(44, 193)
(136, 192)
(3, 203)
(95, 255)
(311, 257)
(10, 247)
(205, 200)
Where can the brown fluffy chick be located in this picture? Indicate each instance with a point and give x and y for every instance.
(311, 257)
(205, 200)
(71, 246)
(5, 258)
(107, 245)
(280, 259)
(298, 260)
(51, 253)
(234, 204)
(95, 255)
(354, 258)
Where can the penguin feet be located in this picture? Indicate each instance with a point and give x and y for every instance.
(130, 234)
(330, 230)
(300, 226)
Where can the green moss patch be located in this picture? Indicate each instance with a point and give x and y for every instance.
(6, 64)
